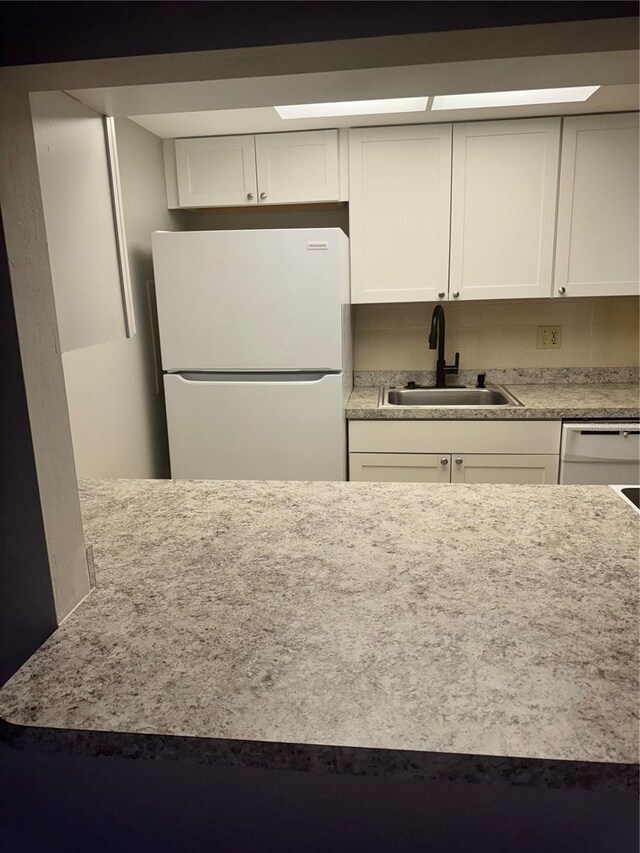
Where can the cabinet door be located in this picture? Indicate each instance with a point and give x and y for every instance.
(216, 172)
(297, 167)
(399, 467)
(505, 180)
(504, 468)
(597, 241)
(399, 208)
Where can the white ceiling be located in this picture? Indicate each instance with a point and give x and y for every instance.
(245, 105)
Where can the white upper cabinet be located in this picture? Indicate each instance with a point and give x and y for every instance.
(597, 241)
(218, 171)
(297, 167)
(399, 208)
(505, 179)
(236, 171)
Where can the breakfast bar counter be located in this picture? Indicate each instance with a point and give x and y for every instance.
(481, 633)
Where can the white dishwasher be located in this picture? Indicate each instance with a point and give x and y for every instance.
(600, 453)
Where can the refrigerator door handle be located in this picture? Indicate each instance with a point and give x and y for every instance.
(306, 377)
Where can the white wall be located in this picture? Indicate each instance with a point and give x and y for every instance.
(114, 390)
(73, 165)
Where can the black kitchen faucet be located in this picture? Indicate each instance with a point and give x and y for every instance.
(436, 338)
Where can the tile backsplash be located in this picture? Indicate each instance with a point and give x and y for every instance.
(599, 332)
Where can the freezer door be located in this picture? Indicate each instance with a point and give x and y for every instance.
(251, 300)
(256, 427)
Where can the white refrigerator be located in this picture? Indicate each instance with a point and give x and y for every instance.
(256, 351)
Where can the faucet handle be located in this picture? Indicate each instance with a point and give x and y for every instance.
(453, 368)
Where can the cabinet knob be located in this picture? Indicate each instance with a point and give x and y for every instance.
(441, 295)
(458, 460)
(562, 291)
(263, 195)
(444, 460)
(456, 293)
(249, 196)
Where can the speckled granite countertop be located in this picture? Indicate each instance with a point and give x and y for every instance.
(540, 402)
(483, 633)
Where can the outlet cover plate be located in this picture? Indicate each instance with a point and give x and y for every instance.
(549, 337)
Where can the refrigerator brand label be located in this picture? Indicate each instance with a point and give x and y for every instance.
(317, 244)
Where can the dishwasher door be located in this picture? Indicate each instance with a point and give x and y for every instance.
(600, 453)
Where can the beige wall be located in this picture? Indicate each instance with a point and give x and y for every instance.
(595, 333)
(269, 218)
(114, 390)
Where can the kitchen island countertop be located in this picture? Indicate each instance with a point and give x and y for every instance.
(483, 633)
(539, 402)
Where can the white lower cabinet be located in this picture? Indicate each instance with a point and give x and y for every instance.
(504, 468)
(454, 451)
(452, 468)
(398, 468)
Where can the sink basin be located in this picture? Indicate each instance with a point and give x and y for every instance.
(442, 397)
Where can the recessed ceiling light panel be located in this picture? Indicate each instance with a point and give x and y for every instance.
(513, 99)
(353, 108)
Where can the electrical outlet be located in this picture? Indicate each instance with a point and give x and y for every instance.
(549, 337)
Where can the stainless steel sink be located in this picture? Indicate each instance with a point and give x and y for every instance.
(445, 397)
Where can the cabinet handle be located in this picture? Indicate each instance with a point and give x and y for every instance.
(263, 195)
(444, 460)
(441, 295)
(562, 291)
(459, 460)
(249, 196)
(456, 293)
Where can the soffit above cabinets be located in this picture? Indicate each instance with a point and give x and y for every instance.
(266, 120)
(236, 106)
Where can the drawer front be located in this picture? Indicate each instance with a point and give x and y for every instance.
(454, 436)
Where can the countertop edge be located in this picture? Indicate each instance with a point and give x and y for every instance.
(507, 414)
(304, 757)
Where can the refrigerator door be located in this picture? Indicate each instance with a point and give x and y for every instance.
(251, 300)
(256, 426)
